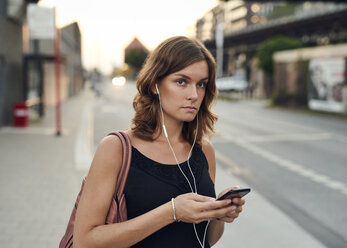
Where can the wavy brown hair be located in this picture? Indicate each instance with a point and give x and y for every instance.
(170, 56)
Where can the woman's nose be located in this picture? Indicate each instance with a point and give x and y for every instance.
(193, 92)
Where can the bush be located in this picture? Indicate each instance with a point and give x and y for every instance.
(267, 48)
(135, 58)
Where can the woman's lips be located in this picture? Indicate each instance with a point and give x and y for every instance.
(190, 108)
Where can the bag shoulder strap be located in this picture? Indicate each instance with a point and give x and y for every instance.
(126, 160)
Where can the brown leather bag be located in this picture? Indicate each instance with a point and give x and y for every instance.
(117, 211)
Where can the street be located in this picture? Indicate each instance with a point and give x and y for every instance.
(296, 161)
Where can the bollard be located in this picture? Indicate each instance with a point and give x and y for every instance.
(21, 114)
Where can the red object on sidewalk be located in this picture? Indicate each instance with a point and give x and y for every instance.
(21, 114)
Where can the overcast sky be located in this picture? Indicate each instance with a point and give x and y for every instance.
(107, 26)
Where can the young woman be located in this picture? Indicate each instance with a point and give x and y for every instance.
(170, 186)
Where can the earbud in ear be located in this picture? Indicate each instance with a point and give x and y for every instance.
(156, 86)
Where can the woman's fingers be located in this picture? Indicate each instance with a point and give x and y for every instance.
(204, 203)
(238, 201)
(196, 208)
(207, 206)
(216, 213)
(228, 214)
(200, 198)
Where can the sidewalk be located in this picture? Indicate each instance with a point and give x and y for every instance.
(39, 182)
(38, 178)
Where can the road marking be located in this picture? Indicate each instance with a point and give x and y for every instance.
(276, 124)
(284, 163)
(84, 139)
(275, 137)
(295, 168)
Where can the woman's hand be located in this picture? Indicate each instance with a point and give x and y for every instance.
(194, 208)
(236, 207)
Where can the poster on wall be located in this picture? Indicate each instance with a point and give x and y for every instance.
(326, 77)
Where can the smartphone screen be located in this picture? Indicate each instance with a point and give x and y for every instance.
(235, 193)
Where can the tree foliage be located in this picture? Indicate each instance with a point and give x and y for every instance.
(267, 48)
(135, 58)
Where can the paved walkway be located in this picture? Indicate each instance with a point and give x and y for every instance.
(39, 182)
(38, 179)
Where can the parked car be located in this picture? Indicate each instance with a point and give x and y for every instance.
(233, 83)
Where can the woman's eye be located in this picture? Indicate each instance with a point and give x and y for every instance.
(180, 82)
(202, 85)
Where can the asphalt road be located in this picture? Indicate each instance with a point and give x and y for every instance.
(297, 161)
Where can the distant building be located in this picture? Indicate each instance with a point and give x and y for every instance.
(12, 17)
(234, 16)
(246, 24)
(134, 56)
(135, 44)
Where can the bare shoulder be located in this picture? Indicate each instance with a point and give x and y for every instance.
(108, 155)
(208, 149)
(109, 142)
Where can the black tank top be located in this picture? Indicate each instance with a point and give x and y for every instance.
(151, 184)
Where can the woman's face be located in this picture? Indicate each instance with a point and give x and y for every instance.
(182, 92)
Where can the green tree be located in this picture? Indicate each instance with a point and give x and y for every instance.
(267, 48)
(265, 53)
(135, 58)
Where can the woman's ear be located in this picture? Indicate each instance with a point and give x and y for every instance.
(155, 89)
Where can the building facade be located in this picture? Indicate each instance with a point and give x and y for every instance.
(27, 66)
(12, 17)
(315, 76)
(246, 24)
(39, 68)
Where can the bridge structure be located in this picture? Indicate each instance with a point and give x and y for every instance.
(328, 26)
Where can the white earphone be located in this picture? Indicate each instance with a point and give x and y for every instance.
(156, 87)
(202, 244)
(162, 114)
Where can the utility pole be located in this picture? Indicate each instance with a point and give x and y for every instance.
(220, 41)
(57, 75)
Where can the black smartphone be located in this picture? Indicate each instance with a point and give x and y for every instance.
(235, 193)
